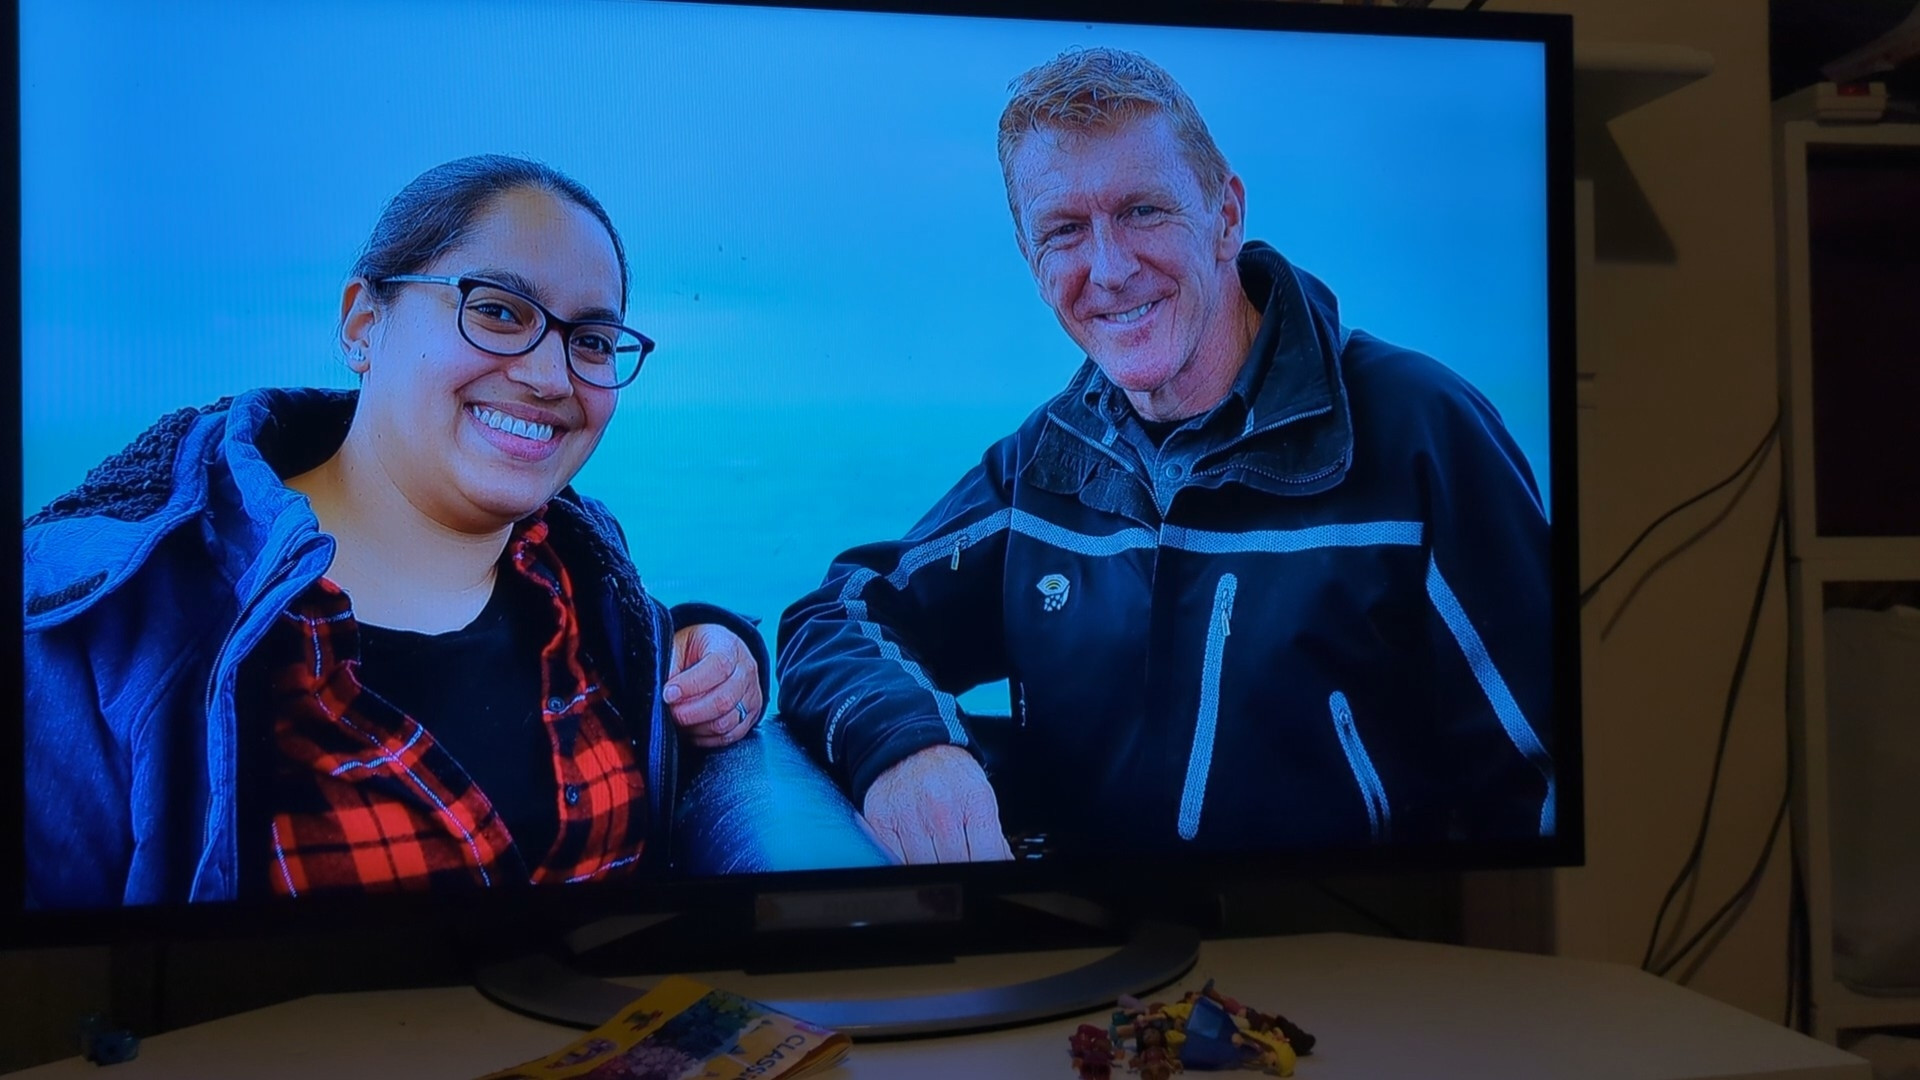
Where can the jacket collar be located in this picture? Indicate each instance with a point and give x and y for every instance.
(86, 543)
(159, 474)
(1283, 428)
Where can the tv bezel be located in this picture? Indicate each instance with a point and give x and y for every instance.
(22, 927)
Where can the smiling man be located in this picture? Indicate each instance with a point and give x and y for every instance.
(1257, 579)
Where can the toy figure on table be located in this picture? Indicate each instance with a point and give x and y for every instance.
(1152, 1061)
(1093, 1053)
(1203, 1030)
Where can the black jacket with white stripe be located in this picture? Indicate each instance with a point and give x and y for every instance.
(1318, 616)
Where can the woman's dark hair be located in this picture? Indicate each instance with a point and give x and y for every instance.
(437, 210)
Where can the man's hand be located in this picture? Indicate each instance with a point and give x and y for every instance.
(713, 686)
(937, 806)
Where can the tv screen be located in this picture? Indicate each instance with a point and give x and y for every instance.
(608, 444)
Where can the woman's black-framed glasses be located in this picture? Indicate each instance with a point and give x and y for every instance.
(507, 322)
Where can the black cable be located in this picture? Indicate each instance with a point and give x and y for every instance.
(1474, 5)
(1792, 1017)
(1712, 524)
(1801, 942)
(1766, 440)
(1799, 929)
(1740, 898)
(1793, 960)
(1692, 864)
(1721, 922)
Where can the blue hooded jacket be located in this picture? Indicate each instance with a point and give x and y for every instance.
(1318, 616)
(148, 586)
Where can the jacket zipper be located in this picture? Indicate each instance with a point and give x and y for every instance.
(280, 575)
(962, 540)
(1313, 477)
(1317, 475)
(1090, 441)
(1288, 419)
(1372, 791)
(219, 659)
(1193, 794)
(662, 747)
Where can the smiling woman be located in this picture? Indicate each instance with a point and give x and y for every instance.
(461, 681)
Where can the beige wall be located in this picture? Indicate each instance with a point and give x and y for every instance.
(43, 994)
(1687, 362)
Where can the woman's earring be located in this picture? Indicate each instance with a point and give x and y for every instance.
(357, 358)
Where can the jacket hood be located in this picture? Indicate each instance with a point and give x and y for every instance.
(86, 543)
(147, 478)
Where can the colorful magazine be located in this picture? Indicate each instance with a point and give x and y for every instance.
(681, 1030)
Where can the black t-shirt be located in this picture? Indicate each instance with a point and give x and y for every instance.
(477, 692)
(1158, 430)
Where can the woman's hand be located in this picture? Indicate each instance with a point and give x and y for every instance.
(713, 686)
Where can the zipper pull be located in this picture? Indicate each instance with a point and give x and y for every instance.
(955, 564)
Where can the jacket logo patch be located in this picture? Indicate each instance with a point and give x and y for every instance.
(1054, 588)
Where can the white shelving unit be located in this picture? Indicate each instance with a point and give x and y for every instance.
(1817, 561)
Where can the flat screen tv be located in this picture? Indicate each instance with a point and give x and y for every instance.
(601, 455)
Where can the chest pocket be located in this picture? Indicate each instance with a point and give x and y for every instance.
(1193, 792)
(1372, 791)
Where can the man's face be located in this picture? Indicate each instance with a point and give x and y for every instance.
(1134, 258)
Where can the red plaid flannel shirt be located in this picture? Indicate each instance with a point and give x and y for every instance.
(364, 800)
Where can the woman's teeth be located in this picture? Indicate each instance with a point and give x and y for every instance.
(500, 421)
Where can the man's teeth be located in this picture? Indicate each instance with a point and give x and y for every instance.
(1130, 316)
(512, 425)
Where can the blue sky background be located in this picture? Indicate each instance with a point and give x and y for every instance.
(811, 203)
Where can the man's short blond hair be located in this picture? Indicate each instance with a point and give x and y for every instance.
(1088, 91)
